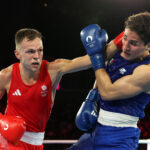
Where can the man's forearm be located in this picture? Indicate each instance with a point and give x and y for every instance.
(104, 83)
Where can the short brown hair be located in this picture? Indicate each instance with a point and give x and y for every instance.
(140, 23)
(28, 33)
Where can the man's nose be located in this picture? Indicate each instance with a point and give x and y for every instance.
(36, 54)
(126, 45)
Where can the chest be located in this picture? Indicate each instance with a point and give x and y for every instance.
(118, 67)
(27, 96)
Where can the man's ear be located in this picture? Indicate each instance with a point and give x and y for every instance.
(17, 54)
(148, 46)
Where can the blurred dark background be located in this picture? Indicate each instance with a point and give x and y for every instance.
(60, 22)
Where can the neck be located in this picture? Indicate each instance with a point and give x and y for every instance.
(28, 77)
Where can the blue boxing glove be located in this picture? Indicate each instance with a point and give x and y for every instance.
(86, 117)
(94, 40)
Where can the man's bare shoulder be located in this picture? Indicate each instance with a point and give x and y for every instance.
(6, 72)
(142, 75)
(144, 69)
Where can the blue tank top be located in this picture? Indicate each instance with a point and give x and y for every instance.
(118, 67)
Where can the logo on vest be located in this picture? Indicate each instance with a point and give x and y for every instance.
(122, 70)
(17, 93)
(44, 90)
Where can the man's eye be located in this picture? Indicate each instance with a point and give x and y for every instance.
(134, 43)
(40, 50)
(30, 51)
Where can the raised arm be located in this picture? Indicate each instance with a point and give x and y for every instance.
(84, 62)
(125, 87)
(60, 67)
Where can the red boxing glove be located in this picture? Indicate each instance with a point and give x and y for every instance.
(118, 40)
(12, 127)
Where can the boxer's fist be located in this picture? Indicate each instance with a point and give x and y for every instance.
(94, 40)
(12, 127)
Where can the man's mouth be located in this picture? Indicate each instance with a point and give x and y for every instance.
(35, 64)
(126, 53)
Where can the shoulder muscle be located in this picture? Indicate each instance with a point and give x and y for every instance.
(5, 76)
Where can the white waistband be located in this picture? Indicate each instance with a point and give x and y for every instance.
(34, 138)
(117, 119)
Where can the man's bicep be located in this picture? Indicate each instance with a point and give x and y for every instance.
(127, 87)
(3, 80)
(2, 84)
(134, 84)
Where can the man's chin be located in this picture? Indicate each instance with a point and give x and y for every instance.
(35, 69)
(126, 56)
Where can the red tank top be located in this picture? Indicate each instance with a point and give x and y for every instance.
(33, 103)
